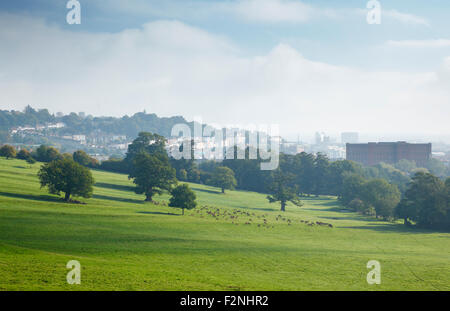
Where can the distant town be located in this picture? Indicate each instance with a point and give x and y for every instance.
(101, 139)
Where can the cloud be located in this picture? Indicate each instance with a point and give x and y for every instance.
(272, 11)
(171, 68)
(405, 17)
(255, 11)
(392, 15)
(437, 43)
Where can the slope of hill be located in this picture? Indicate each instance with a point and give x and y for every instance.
(123, 243)
(76, 124)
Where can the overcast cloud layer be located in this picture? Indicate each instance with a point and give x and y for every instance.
(171, 68)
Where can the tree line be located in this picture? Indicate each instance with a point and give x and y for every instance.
(383, 191)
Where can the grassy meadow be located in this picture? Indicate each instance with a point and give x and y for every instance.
(123, 243)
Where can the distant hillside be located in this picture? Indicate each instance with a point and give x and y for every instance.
(76, 124)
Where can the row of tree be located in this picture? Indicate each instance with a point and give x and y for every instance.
(47, 154)
(373, 191)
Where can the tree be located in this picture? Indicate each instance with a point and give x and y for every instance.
(352, 185)
(84, 159)
(186, 168)
(281, 192)
(81, 157)
(406, 166)
(305, 172)
(146, 142)
(391, 174)
(384, 197)
(193, 175)
(357, 205)
(46, 154)
(151, 175)
(7, 151)
(182, 175)
(65, 175)
(247, 172)
(321, 173)
(23, 154)
(419, 170)
(436, 167)
(426, 202)
(183, 197)
(337, 172)
(223, 177)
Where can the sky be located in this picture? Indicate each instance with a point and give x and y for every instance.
(304, 65)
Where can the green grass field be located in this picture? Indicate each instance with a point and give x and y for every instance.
(123, 243)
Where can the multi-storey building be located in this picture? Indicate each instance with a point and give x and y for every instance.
(388, 152)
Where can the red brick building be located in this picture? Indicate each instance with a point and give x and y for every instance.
(388, 152)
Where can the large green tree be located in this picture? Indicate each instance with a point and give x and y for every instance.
(280, 191)
(152, 175)
(67, 176)
(150, 143)
(183, 197)
(426, 202)
(223, 177)
(7, 151)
